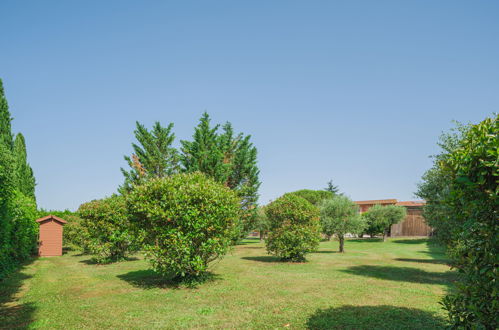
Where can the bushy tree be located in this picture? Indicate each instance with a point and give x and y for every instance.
(228, 158)
(23, 212)
(340, 216)
(380, 218)
(472, 204)
(153, 156)
(105, 223)
(315, 197)
(372, 218)
(294, 228)
(187, 220)
(436, 187)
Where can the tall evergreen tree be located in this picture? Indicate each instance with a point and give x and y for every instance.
(229, 158)
(6, 137)
(25, 178)
(332, 188)
(153, 156)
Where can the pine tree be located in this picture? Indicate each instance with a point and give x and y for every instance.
(229, 159)
(205, 152)
(5, 121)
(25, 178)
(332, 188)
(153, 156)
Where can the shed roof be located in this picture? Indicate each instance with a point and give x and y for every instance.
(50, 216)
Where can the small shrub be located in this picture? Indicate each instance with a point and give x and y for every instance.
(188, 221)
(294, 228)
(107, 229)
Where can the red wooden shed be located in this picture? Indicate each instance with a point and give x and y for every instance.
(50, 242)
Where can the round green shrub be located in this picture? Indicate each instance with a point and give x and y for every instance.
(106, 228)
(294, 228)
(313, 196)
(188, 220)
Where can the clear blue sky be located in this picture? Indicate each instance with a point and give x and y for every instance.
(354, 91)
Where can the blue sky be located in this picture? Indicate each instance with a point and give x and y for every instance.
(354, 91)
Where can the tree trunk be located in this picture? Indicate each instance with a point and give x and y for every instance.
(342, 243)
(261, 235)
(329, 237)
(385, 233)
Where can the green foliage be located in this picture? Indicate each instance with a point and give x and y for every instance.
(18, 230)
(229, 159)
(340, 216)
(313, 196)
(153, 157)
(372, 216)
(6, 137)
(23, 212)
(436, 187)
(106, 224)
(332, 188)
(473, 166)
(380, 218)
(294, 228)
(262, 223)
(25, 178)
(187, 221)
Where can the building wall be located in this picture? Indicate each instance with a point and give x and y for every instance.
(413, 224)
(50, 238)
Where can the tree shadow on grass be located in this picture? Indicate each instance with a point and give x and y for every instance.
(264, 259)
(365, 240)
(403, 274)
(14, 315)
(149, 279)
(425, 261)
(374, 317)
(326, 251)
(93, 261)
(249, 240)
(411, 240)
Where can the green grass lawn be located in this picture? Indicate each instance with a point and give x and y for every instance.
(374, 285)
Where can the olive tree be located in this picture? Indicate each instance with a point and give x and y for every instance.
(186, 221)
(340, 216)
(380, 218)
(294, 228)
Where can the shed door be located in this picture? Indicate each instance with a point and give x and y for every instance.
(50, 238)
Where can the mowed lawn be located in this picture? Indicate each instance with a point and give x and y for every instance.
(374, 285)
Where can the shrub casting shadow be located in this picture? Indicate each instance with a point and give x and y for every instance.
(374, 317)
(93, 261)
(425, 261)
(403, 274)
(264, 259)
(12, 315)
(149, 279)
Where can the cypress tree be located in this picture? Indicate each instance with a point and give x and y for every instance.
(5, 121)
(153, 156)
(25, 178)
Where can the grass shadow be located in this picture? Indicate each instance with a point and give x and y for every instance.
(403, 274)
(364, 240)
(93, 261)
(15, 315)
(326, 251)
(149, 279)
(374, 317)
(411, 240)
(264, 259)
(425, 261)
